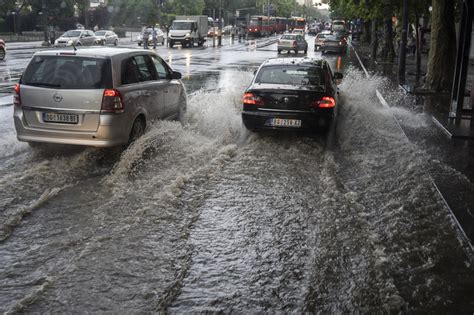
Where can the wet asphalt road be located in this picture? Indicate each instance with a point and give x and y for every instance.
(212, 218)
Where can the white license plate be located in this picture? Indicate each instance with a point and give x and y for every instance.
(278, 122)
(60, 118)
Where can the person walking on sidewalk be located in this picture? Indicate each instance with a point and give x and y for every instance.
(153, 36)
(146, 34)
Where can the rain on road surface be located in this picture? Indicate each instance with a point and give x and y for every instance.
(209, 217)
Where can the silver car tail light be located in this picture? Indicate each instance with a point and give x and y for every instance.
(16, 95)
(112, 102)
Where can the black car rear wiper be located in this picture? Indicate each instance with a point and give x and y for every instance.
(44, 84)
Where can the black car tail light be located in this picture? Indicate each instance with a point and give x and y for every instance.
(16, 95)
(252, 99)
(325, 102)
(112, 102)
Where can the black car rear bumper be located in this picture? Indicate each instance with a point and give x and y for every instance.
(310, 121)
(334, 49)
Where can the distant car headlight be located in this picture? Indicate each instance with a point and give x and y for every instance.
(70, 42)
(188, 34)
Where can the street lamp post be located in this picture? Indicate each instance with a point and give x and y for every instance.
(14, 13)
(86, 13)
(219, 31)
(43, 21)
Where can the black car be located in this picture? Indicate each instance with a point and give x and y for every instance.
(334, 44)
(291, 93)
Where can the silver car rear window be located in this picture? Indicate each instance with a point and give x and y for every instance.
(68, 72)
(293, 75)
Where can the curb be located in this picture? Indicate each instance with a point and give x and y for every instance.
(385, 104)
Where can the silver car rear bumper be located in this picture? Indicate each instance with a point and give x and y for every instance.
(110, 132)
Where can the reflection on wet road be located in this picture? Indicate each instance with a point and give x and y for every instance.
(208, 217)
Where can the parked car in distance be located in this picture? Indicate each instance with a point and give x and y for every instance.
(106, 38)
(291, 42)
(160, 36)
(3, 49)
(334, 44)
(227, 29)
(291, 93)
(319, 39)
(95, 97)
(77, 38)
(298, 31)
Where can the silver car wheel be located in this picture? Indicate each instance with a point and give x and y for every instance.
(182, 108)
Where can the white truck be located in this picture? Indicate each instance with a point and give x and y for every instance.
(188, 30)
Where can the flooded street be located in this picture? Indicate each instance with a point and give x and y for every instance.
(209, 217)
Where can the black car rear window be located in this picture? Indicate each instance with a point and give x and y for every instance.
(291, 74)
(68, 72)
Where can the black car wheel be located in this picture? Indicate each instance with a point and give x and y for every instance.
(138, 129)
(116, 42)
(330, 134)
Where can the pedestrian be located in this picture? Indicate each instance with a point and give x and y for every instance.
(167, 29)
(232, 33)
(96, 28)
(153, 36)
(145, 36)
(239, 33)
(411, 44)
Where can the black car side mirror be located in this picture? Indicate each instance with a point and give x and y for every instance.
(176, 75)
(255, 71)
(337, 76)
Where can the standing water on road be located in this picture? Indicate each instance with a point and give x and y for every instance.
(210, 217)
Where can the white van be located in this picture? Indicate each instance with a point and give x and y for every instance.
(338, 25)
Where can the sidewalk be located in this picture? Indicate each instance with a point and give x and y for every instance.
(451, 163)
(24, 45)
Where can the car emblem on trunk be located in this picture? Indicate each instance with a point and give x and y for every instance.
(286, 99)
(57, 97)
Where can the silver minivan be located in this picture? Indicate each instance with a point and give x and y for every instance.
(99, 97)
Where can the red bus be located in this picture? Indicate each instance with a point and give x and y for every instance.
(259, 25)
(280, 25)
(296, 22)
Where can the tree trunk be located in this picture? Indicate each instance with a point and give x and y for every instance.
(442, 56)
(418, 48)
(367, 33)
(388, 51)
(374, 41)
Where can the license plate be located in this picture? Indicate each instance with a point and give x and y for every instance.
(60, 118)
(278, 122)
